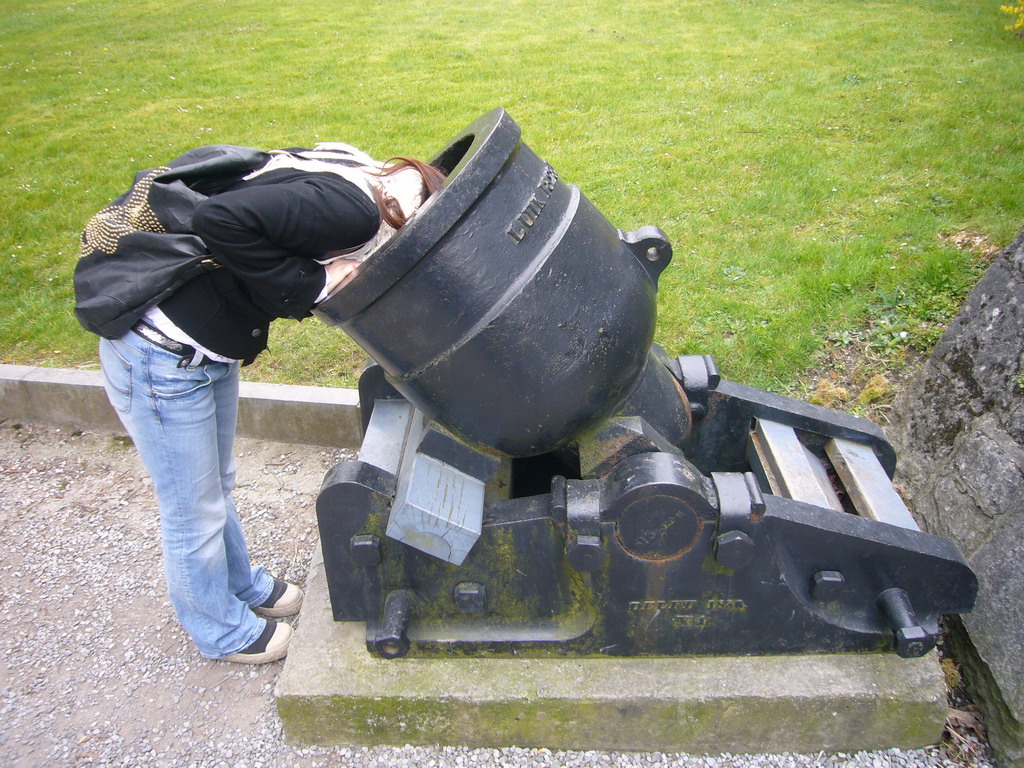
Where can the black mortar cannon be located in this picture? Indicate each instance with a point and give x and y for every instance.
(537, 477)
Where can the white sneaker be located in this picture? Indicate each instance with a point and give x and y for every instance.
(284, 600)
(269, 646)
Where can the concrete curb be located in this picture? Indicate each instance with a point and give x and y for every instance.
(278, 412)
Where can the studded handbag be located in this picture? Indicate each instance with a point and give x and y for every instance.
(140, 249)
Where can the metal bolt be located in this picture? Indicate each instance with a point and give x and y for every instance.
(734, 549)
(470, 597)
(912, 642)
(391, 640)
(585, 553)
(391, 648)
(365, 549)
(653, 254)
(911, 639)
(827, 586)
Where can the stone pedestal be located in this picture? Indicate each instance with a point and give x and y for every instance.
(333, 692)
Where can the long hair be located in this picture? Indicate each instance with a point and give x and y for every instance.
(390, 210)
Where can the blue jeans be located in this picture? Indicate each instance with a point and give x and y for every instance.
(182, 421)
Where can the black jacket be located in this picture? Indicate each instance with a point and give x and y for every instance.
(265, 233)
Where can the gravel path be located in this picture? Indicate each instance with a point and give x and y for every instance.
(94, 669)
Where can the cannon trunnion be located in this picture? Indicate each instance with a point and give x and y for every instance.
(537, 477)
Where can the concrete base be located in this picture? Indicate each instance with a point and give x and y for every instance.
(332, 692)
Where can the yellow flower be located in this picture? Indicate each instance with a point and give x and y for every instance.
(1015, 10)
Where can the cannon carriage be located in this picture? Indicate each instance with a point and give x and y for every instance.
(537, 477)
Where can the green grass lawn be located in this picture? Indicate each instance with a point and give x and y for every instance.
(808, 160)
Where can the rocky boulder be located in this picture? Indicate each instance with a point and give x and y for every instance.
(959, 434)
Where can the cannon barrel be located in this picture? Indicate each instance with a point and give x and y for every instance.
(508, 310)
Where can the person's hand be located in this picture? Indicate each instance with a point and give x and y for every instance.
(338, 271)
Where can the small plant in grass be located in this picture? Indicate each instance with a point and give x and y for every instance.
(899, 320)
(908, 318)
(1017, 11)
